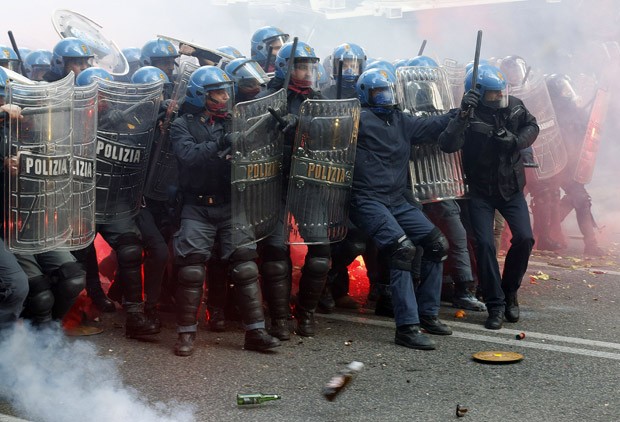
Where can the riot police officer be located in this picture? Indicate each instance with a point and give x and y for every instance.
(380, 207)
(37, 64)
(491, 142)
(160, 53)
(265, 44)
(201, 142)
(69, 55)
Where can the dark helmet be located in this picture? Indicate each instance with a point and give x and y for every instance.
(377, 88)
(560, 87)
(490, 78)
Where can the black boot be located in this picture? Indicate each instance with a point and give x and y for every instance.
(137, 325)
(259, 340)
(512, 308)
(185, 344)
(432, 325)
(311, 284)
(101, 300)
(215, 319)
(152, 314)
(410, 336)
(326, 304)
(495, 320)
(277, 288)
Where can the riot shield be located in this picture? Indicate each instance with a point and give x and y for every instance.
(38, 178)
(126, 124)
(83, 167)
(218, 58)
(317, 204)
(256, 168)
(455, 72)
(163, 174)
(435, 175)
(107, 55)
(549, 150)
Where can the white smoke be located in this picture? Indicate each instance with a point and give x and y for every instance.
(47, 377)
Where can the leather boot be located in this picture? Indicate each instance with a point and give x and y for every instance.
(326, 304)
(277, 288)
(495, 320)
(137, 325)
(464, 297)
(311, 284)
(306, 326)
(432, 325)
(185, 344)
(215, 319)
(410, 336)
(259, 340)
(512, 308)
(152, 314)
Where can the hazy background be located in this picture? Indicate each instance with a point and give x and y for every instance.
(553, 36)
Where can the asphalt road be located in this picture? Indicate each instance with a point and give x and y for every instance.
(570, 370)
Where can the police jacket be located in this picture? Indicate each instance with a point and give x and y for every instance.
(204, 170)
(490, 169)
(383, 150)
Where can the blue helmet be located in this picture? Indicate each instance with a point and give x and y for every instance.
(422, 61)
(377, 87)
(87, 76)
(8, 58)
(262, 40)
(490, 78)
(158, 48)
(206, 79)
(68, 48)
(303, 53)
(149, 74)
(4, 80)
(349, 52)
(37, 63)
(231, 51)
(400, 63)
(324, 78)
(381, 64)
(247, 75)
(23, 52)
(132, 54)
(469, 65)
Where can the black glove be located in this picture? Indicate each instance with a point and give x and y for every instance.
(289, 122)
(506, 140)
(227, 140)
(116, 118)
(470, 100)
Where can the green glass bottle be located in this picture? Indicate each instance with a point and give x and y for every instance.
(257, 398)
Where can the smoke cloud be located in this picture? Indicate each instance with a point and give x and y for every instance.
(51, 378)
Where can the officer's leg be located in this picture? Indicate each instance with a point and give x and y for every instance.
(218, 290)
(516, 213)
(155, 261)
(275, 272)
(40, 301)
(192, 248)
(13, 288)
(68, 279)
(244, 273)
(482, 215)
(585, 220)
(311, 284)
(87, 258)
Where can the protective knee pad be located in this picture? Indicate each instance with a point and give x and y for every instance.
(274, 270)
(191, 275)
(316, 266)
(243, 273)
(69, 281)
(402, 254)
(40, 299)
(129, 251)
(435, 246)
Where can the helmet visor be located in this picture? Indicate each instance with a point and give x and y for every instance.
(495, 98)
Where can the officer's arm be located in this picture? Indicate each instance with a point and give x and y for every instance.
(189, 152)
(528, 131)
(452, 138)
(426, 129)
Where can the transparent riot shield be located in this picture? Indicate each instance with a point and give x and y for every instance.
(455, 72)
(83, 167)
(435, 175)
(256, 168)
(163, 174)
(107, 54)
(317, 204)
(549, 150)
(38, 177)
(126, 124)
